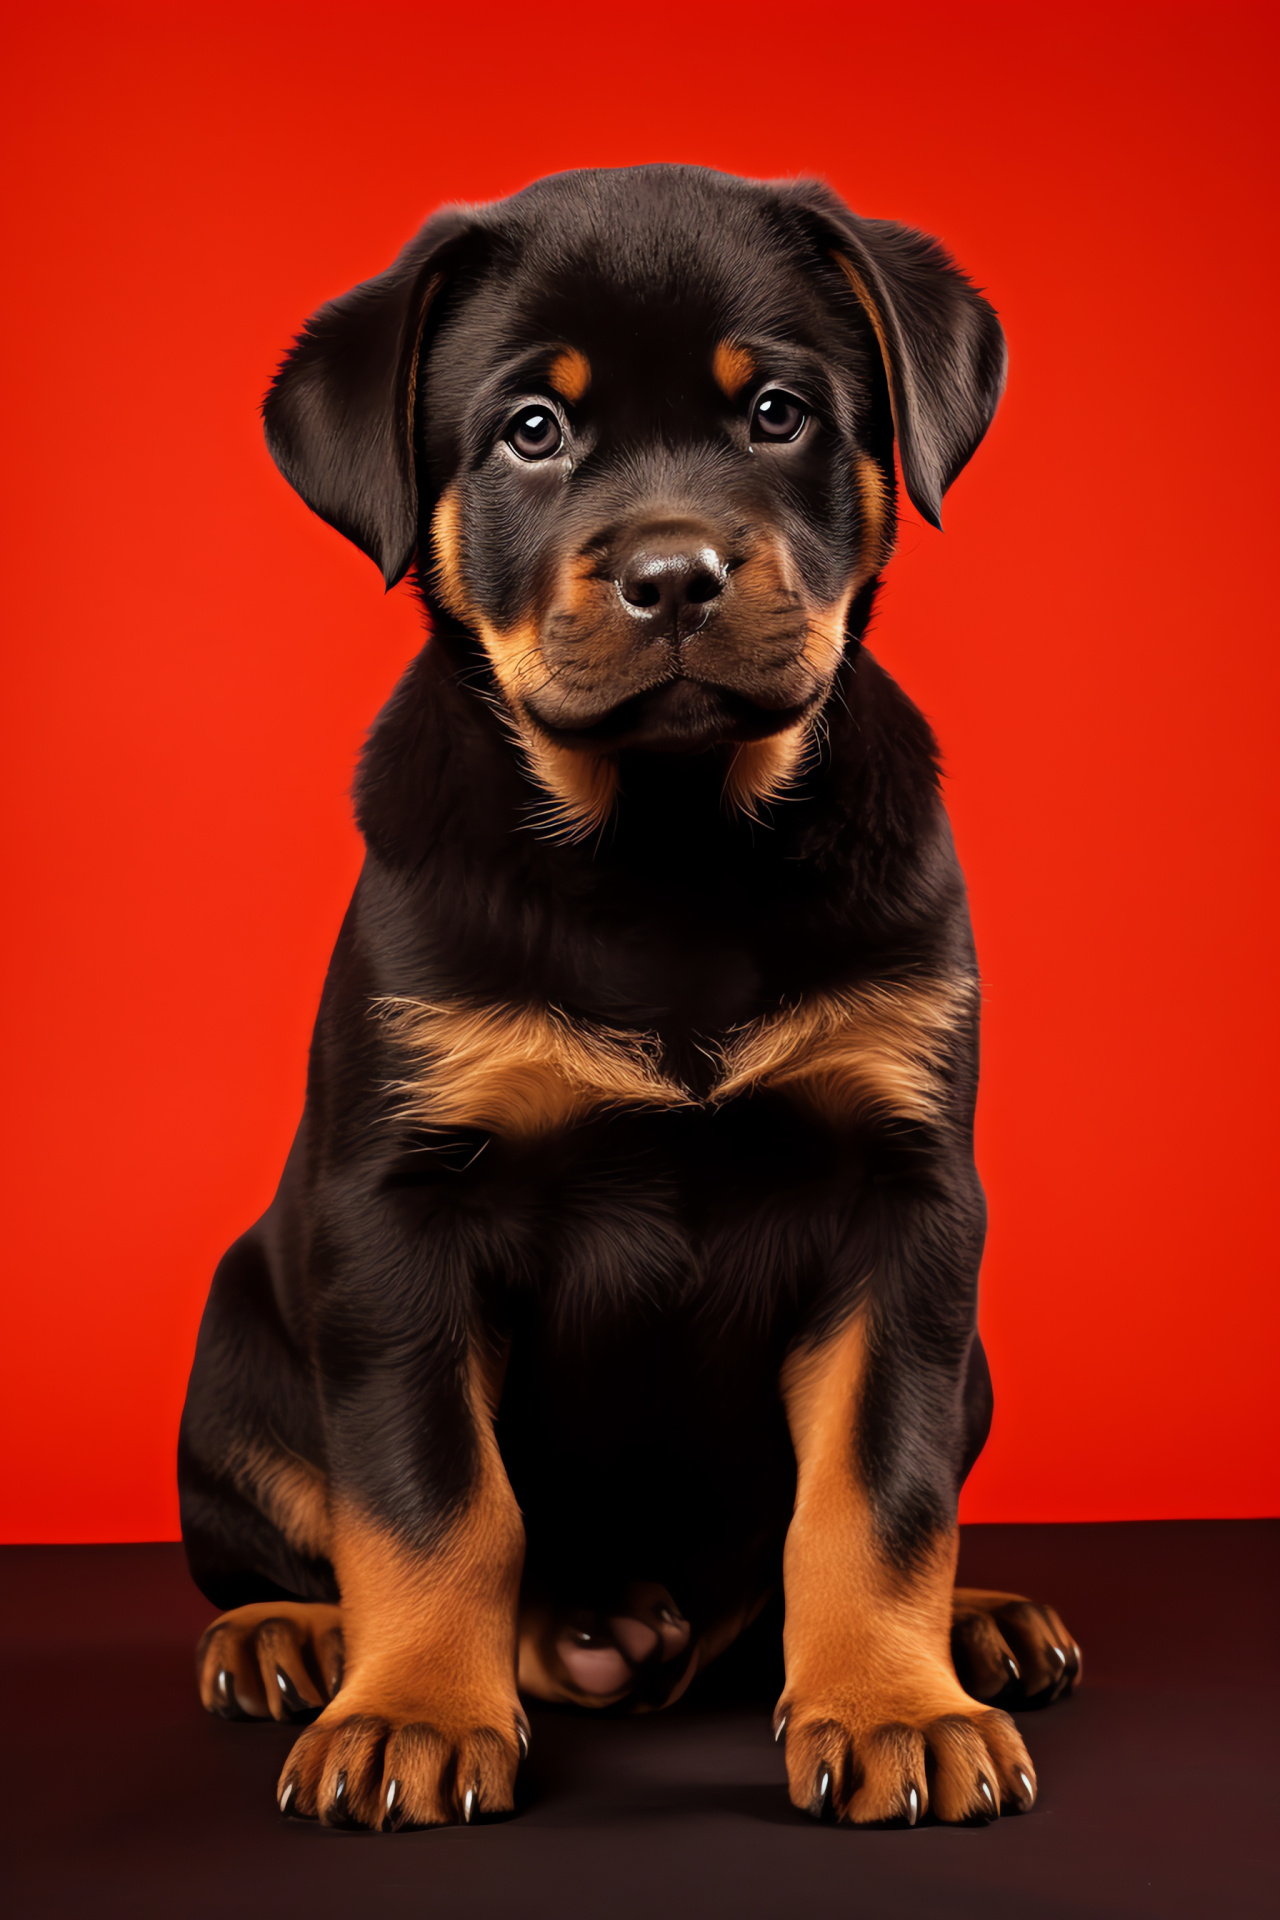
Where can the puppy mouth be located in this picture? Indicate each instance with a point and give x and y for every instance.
(677, 715)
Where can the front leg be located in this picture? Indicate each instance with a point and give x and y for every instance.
(427, 1549)
(877, 1726)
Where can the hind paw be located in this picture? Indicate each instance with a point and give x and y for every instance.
(277, 1659)
(1011, 1649)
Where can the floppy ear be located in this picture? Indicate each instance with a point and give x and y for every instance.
(339, 415)
(942, 345)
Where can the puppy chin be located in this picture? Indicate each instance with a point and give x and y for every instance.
(680, 716)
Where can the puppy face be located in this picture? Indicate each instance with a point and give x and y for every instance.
(638, 427)
(659, 469)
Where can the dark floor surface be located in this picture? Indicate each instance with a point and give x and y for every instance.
(1158, 1781)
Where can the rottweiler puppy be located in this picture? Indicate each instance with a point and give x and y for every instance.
(625, 1264)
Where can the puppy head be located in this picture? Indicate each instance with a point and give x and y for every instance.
(638, 427)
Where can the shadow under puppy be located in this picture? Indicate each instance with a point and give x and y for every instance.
(626, 1259)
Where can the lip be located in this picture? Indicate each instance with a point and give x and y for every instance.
(678, 715)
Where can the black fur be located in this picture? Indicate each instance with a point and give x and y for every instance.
(650, 1270)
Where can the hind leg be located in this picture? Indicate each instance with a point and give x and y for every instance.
(280, 1659)
(1007, 1647)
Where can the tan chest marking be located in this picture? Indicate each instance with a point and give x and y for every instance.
(843, 1056)
(522, 1072)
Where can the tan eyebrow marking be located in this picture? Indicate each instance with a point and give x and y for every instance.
(570, 374)
(732, 366)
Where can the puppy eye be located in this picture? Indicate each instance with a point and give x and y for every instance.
(535, 433)
(778, 416)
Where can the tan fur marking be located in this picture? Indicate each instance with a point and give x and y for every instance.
(732, 366)
(763, 770)
(581, 786)
(525, 1071)
(570, 375)
(436, 1626)
(872, 311)
(825, 641)
(521, 1071)
(843, 1055)
(446, 555)
(856, 1630)
(291, 1493)
(873, 496)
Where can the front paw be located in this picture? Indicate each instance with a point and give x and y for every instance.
(403, 1765)
(875, 1763)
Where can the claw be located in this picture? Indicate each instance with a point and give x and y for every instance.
(991, 1803)
(1028, 1791)
(225, 1704)
(780, 1729)
(286, 1798)
(468, 1803)
(821, 1806)
(913, 1807)
(295, 1706)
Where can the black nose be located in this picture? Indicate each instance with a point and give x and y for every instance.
(670, 583)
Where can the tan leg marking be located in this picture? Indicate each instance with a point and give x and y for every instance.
(870, 1686)
(520, 1071)
(570, 374)
(1005, 1641)
(292, 1494)
(868, 1049)
(427, 1726)
(732, 366)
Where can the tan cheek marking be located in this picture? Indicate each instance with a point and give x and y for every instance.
(873, 497)
(520, 1072)
(732, 366)
(824, 644)
(763, 770)
(843, 1056)
(292, 1494)
(446, 547)
(857, 1630)
(570, 374)
(581, 787)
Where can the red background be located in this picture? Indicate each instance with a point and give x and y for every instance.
(195, 658)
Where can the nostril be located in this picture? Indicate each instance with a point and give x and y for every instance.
(703, 585)
(641, 593)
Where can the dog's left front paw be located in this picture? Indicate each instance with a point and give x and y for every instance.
(403, 1767)
(877, 1764)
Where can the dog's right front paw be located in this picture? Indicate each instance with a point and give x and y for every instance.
(402, 1767)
